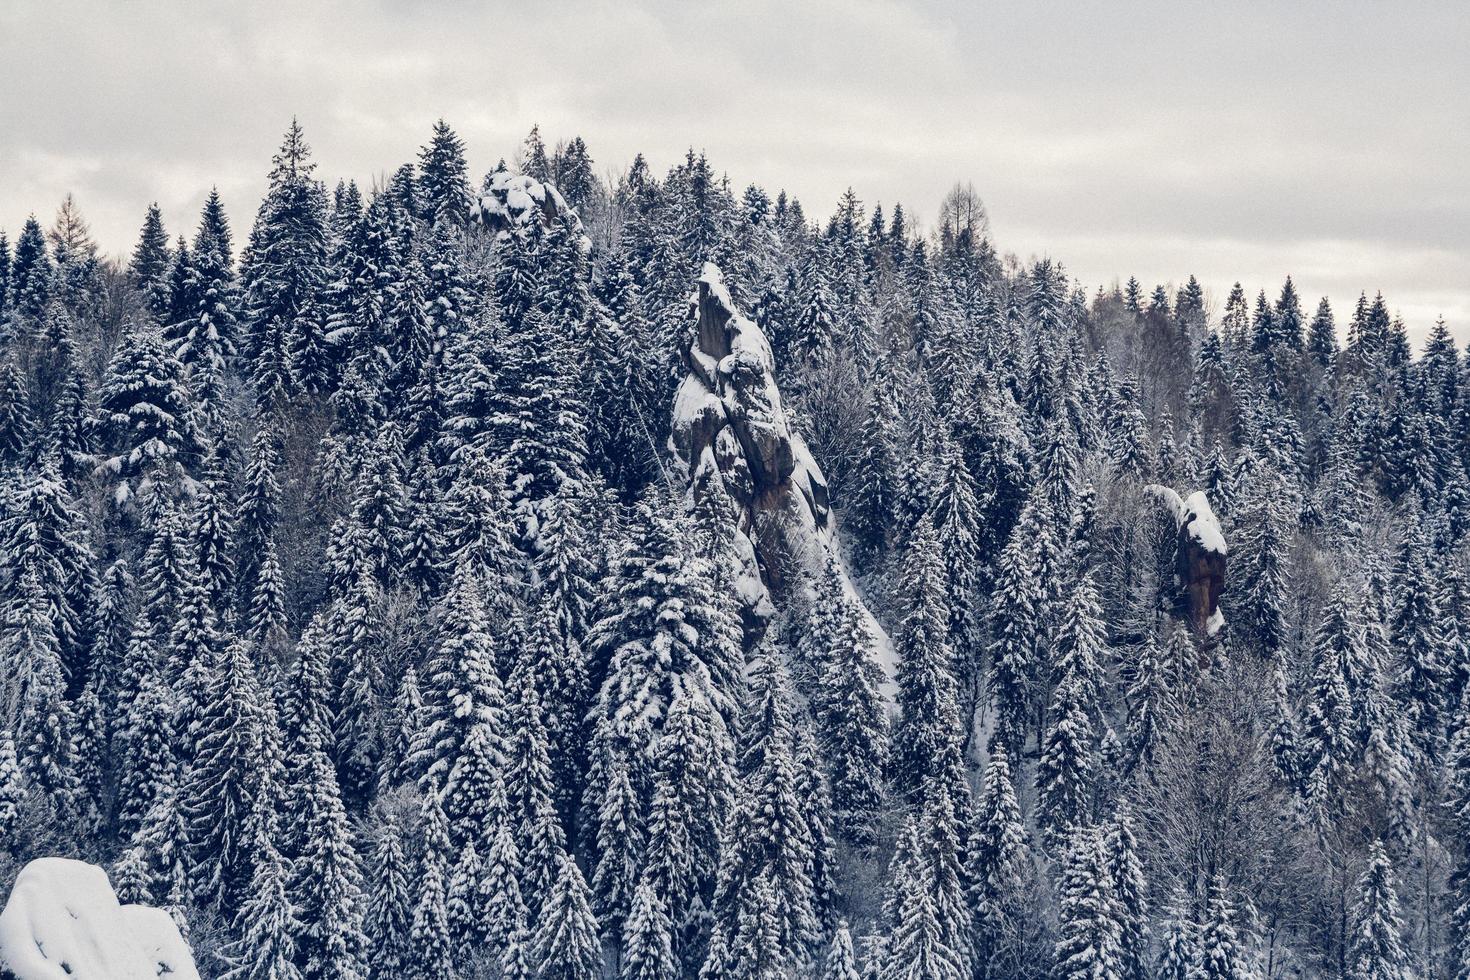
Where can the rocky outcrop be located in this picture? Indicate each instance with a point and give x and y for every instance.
(729, 425)
(63, 922)
(510, 200)
(1199, 564)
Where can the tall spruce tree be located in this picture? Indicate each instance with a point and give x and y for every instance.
(928, 733)
(444, 191)
(1089, 944)
(566, 938)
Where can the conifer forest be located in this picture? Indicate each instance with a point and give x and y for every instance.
(590, 570)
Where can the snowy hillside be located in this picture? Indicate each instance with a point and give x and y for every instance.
(594, 570)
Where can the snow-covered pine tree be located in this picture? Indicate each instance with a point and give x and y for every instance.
(265, 623)
(558, 668)
(213, 523)
(45, 724)
(1130, 893)
(463, 914)
(1015, 626)
(768, 838)
(693, 791)
(145, 418)
(431, 944)
(1089, 944)
(478, 528)
(464, 728)
(1261, 527)
(647, 937)
(268, 927)
(941, 856)
(30, 272)
(566, 938)
(1150, 704)
(443, 187)
(536, 421)
(258, 512)
(620, 846)
(1179, 954)
(664, 630)
(380, 509)
(355, 629)
(405, 725)
(388, 923)
(232, 773)
(149, 265)
(1068, 769)
(957, 520)
(500, 891)
(12, 791)
(145, 743)
(870, 501)
(1418, 639)
(997, 864)
(816, 798)
(45, 538)
(282, 273)
(1221, 954)
(851, 721)
(1286, 738)
(306, 730)
(529, 786)
(206, 338)
(928, 733)
(1330, 740)
(159, 864)
(916, 949)
(326, 882)
(840, 963)
(1080, 648)
(1376, 950)
(17, 426)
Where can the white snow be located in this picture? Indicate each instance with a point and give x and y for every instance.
(1194, 515)
(1215, 622)
(1202, 523)
(63, 922)
(692, 401)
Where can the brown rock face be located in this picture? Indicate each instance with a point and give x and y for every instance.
(1200, 559)
(1202, 573)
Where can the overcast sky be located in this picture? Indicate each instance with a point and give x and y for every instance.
(1326, 140)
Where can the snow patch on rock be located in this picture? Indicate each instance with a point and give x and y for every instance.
(1195, 516)
(63, 922)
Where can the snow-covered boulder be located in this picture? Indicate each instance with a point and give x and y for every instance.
(729, 425)
(509, 201)
(63, 922)
(1200, 557)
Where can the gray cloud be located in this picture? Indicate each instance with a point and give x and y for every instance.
(1243, 141)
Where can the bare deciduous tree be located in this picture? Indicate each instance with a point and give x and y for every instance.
(964, 214)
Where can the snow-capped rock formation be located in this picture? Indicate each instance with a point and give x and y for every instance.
(1200, 557)
(510, 200)
(729, 425)
(63, 922)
